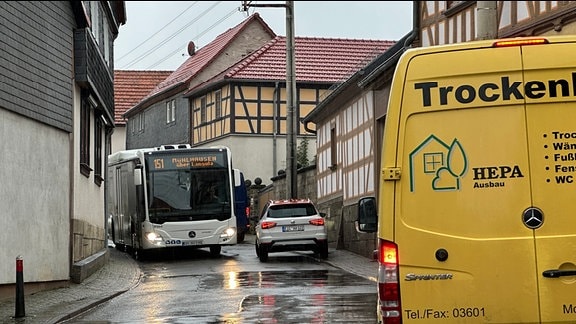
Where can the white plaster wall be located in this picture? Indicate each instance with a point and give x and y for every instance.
(254, 155)
(118, 139)
(34, 199)
(88, 203)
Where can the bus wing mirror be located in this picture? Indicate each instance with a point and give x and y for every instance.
(139, 193)
(137, 177)
(367, 221)
(237, 177)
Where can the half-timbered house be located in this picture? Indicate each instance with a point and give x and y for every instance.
(211, 100)
(447, 22)
(351, 121)
(163, 115)
(245, 106)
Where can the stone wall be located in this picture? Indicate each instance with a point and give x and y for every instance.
(350, 239)
(305, 181)
(88, 239)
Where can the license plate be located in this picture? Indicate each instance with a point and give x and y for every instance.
(292, 228)
(192, 243)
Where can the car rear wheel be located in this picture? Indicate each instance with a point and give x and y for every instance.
(257, 248)
(323, 250)
(262, 253)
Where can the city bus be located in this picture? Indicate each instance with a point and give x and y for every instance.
(475, 214)
(172, 196)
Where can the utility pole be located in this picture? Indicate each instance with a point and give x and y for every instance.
(487, 20)
(291, 119)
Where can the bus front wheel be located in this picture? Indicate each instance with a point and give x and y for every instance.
(215, 250)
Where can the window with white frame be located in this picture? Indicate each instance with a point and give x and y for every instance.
(95, 20)
(99, 25)
(106, 44)
(88, 105)
(171, 111)
(141, 122)
(98, 156)
(138, 123)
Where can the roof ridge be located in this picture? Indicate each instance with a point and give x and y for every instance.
(220, 43)
(343, 38)
(149, 71)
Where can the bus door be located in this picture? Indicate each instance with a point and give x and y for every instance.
(124, 204)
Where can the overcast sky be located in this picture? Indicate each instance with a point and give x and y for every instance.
(157, 33)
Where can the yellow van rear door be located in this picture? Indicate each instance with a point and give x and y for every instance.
(550, 70)
(465, 254)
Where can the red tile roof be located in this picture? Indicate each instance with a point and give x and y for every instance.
(130, 87)
(316, 59)
(204, 56)
(322, 60)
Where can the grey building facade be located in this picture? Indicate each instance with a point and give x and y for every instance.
(56, 115)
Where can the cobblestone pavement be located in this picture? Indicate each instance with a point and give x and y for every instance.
(120, 274)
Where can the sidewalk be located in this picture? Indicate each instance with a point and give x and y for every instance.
(54, 306)
(120, 274)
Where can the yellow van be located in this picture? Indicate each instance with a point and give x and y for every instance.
(476, 213)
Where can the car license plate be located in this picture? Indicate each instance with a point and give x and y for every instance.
(292, 228)
(192, 243)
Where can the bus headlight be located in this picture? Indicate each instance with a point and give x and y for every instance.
(154, 237)
(229, 232)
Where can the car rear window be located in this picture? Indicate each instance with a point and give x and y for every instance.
(284, 211)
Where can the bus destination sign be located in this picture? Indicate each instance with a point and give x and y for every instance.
(172, 162)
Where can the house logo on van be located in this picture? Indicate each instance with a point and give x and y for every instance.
(445, 165)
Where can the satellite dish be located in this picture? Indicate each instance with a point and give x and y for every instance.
(191, 48)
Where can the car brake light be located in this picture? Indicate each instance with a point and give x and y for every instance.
(317, 222)
(266, 225)
(388, 284)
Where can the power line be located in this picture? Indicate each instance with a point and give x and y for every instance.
(196, 37)
(156, 33)
(150, 51)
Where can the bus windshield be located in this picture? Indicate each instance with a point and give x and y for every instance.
(188, 195)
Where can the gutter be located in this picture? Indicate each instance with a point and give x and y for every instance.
(393, 54)
(406, 42)
(157, 97)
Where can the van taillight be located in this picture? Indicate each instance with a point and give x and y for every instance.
(519, 42)
(388, 285)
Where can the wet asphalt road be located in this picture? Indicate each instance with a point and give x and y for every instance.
(192, 287)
